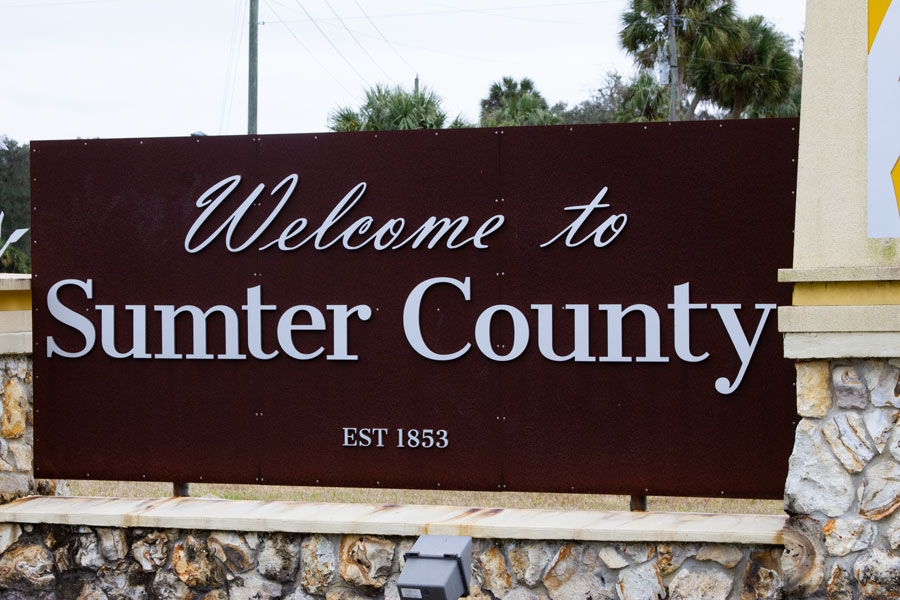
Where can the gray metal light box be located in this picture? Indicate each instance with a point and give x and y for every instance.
(438, 567)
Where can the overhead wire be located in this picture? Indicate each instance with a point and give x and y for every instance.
(229, 65)
(386, 41)
(358, 43)
(737, 64)
(308, 51)
(234, 71)
(336, 49)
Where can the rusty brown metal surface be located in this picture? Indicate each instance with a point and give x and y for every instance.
(707, 203)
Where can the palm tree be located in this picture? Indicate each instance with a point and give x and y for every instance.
(762, 74)
(391, 108)
(642, 100)
(704, 27)
(515, 103)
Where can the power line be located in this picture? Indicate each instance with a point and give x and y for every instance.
(386, 41)
(234, 71)
(302, 45)
(336, 49)
(454, 11)
(737, 64)
(361, 47)
(56, 3)
(229, 65)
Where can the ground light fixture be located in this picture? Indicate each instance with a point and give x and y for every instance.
(438, 567)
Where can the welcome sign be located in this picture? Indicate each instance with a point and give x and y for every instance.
(585, 309)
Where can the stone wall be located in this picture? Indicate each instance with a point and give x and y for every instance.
(843, 487)
(17, 432)
(70, 561)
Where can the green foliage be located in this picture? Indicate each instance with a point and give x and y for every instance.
(511, 103)
(619, 101)
(389, 109)
(15, 203)
(762, 74)
(704, 28)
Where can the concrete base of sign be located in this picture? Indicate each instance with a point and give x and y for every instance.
(227, 549)
(378, 519)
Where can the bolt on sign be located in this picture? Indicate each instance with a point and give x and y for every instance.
(883, 188)
(586, 309)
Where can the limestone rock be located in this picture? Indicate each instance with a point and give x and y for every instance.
(151, 551)
(62, 556)
(762, 577)
(51, 535)
(879, 424)
(15, 410)
(86, 552)
(342, 591)
(21, 452)
(193, 563)
(846, 434)
(840, 584)
(279, 556)
(671, 556)
(641, 583)
(316, 563)
(113, 543)
(894, 444)
(849, 387)
(700, 583)
(529, 561)
(166, 586)
(14, 485)
(404, 545)
(52, 487)
(638, 553)
(803, 560)
(524, 593)
(726, 555)
(848, 534)
(887, 391)
(232, 550)
(571, 575)
(878, 574)
(298, 594)
(495, 575)
(880, 494)
(91, 591)
(365, 560)
(816, 481)
(610, 556)
(27, 567)
(250, 586)
(123, 580)
(813, 397)
(9, 533)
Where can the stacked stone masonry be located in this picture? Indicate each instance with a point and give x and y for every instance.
(17, 432)
(96, 563)
(843, 488)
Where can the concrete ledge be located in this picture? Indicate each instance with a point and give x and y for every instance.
(15, 281)
(839, 274)
(388, 519)
(871, 344)
(16, 343)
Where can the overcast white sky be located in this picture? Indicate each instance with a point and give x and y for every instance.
(137, 68)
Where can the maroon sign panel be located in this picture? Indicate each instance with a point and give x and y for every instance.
(587, 309)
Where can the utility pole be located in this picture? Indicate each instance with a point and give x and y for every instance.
(673, 65)
(252, 84)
